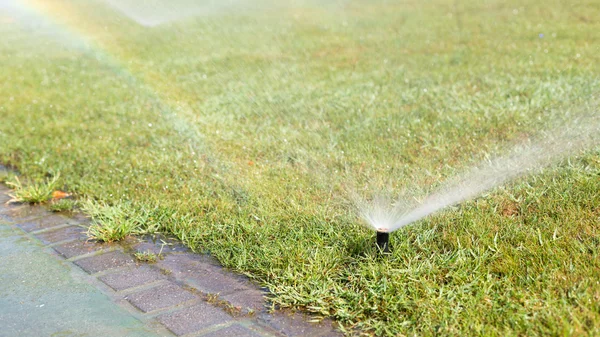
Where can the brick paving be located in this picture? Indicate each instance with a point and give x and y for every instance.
(45, 222)
(78, 248)
(131, 277)
(189, 294)
(195, 318)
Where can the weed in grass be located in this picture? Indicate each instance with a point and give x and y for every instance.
(33, 193)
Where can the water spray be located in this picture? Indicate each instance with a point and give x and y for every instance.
(580, 133)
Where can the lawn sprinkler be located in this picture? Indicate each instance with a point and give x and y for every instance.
(383, 241)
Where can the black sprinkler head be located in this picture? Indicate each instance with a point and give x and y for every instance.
(383, 242)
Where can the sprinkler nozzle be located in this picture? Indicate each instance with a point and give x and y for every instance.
(383, 241)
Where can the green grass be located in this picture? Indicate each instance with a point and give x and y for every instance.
(34, 192)
(111, 222)
(62, 205)
(243, 134)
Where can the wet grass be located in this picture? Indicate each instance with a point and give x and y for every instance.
(33, 192)
(63, 205)
(243, 133)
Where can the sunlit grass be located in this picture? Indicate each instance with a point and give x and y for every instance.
(111, 223)
(242, 134)
(32, 192)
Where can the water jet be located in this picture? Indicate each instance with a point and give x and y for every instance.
(581, 133)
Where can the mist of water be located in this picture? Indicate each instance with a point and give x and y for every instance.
(35, 25)
(17, 16)
(560, 142)
(152, 13)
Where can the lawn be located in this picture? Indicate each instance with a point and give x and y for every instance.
(247, 132)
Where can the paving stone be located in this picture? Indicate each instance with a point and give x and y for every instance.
(61, 234)
(202, 273)
(233, 330)
(24, 212)
(79, 247)
(105, 261)
(5, 211)
(43, 223)
(4, 208)
(133, 276)
(4, 197)
(251, 300)
(332, 333)
(144, 247)
(216, 280)
(158, 246)
(195, 318)
(296, 325)
(160, 297)
(81, 219)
